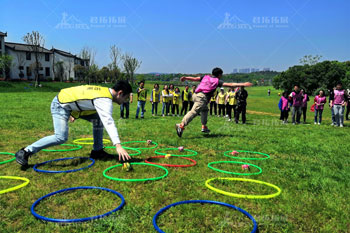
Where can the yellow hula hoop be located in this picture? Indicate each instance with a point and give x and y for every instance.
(243, 195)
(79, 141)
(16, 187)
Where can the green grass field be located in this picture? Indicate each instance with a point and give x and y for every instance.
(310, 163)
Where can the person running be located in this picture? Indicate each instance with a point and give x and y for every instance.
(141, 99)
(297, 97)
(213, 105)
(231, 103)
(185, 96)
(201, 98)
(304, 105)
(176, 101)
(338, 104)
(91, 103)
(155, 99)
(191, 99)
(220, 100)
(126, 106)
(284, 107)
(166, 97)
(319, 101)
(241, 97)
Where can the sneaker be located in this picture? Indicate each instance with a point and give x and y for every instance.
(319, 123)
(142, 117)
(293, 123)
(22, 157)
(229, 120)
(205, 130)
(332, 124)
(163, 115)
(101, 155)
(315, 123)
(179, 130)
(341, 126)
(137, 117)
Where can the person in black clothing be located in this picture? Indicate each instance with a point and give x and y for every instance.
(241, 97)
(185, 96)
(348, 107)
(331, 98)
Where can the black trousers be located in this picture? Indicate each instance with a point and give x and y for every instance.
(175, 106)
(221, 109)
(229, 111)
(241, 109)
(184, 107)
(347, 111)
(284, 115)
(191, 105)
(303, 112)
(214, 106)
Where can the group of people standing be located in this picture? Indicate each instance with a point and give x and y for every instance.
(297, 100)
(234, 100)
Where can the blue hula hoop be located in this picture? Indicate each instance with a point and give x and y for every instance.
(154, 221)
(68, 171)
(32, 209)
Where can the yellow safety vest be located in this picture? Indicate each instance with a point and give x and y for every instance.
(171, 92)
(165, 99)
(185, 95)
(156, 95)
(176, 98)
(141, 96)
(213, 99)
(86, 92)
(232, 99)
(222, 98)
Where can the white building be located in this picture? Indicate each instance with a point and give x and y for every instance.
(23, 61)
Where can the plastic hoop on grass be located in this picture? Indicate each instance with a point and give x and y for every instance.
(154, 221)
(77, 147)
(26, 182)
(172, 165)
(81, 141)
(7, 161)
(243, 195)
(245, 151)
(140, 148)
(136, 180)
(165, 149)
(67, 171)
(138, 152)
(235, 173)
(32, 209)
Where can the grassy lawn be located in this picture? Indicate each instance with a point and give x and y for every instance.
(310, 163)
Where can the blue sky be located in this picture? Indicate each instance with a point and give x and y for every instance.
(183, 36)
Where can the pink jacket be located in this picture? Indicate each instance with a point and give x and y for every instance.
(320, 100)
(284, 103)
(207, 84)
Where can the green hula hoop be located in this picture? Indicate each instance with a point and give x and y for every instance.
(246, 151)
(138, 152)
(81, 141)
(243, 195)
(77, 147)
(160, 153)
(7, 161)
(136, 180)
(26, 182)
(235, 173)
(140, 148)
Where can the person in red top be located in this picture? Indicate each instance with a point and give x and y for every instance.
(319, 101)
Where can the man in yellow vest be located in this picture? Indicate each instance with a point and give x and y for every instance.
(91, 103)
(186, 95)
(141, 99)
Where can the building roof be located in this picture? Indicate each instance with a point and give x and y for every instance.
(3, 34)
(67, 54)
(23, 47)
